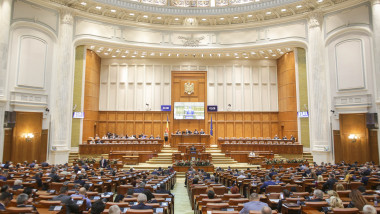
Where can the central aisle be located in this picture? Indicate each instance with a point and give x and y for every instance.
(181, 199)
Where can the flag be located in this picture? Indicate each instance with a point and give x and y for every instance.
(167, 124)
(211, 130)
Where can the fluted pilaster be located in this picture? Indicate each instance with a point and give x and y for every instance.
(62, 95)
(319, 122)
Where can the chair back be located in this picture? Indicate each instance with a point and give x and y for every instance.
(133, 211)
(346, 210)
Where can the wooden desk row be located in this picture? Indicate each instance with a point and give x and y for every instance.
(188, 156)
(183, 147)
(176, 139)
(275, 148)
(243, 156)
(132, 157)
(92, 149)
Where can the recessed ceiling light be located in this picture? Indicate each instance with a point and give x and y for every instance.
(123, 56)
(246, 57)
(219, 54)
(236, 17)
(222, 18)
(169, 54)
(159, 17)
(83, 3)
(274, 55)
(253, 53)
(262, 52)
(109, 49)
(250, 15)
(298, 6)
(320, 1)
(257, 0)
(145, 16)
(266, 57)
(270, 51)
(131, 14)
(281, 52)
(135, 52)
(236, 57)
(236, 53)
(106, 53)
(268, 13)
(152, 54)
(117, 51)
(204, 19)
(227, 54)
(98, 51)
(92, 47)
(283, 10)
(114, 56)
(98, 7)
(210, 55)
(176, 19)
(126, 51)
(113, 11)
(143, 56)
(160, 54)
(133, 56)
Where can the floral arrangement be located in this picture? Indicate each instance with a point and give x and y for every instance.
(282, 161)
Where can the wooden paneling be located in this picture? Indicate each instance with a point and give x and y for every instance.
(346, 149)
(91, 95)
(373, 145)
(28, 122)
(287, 95)
(243, 124)
(131, 122)
(179, 78)
(337, 146)
(8, 136)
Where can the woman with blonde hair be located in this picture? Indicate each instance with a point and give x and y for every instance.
(320, 178)
(335, 202)
(340, 187)
(332, 193)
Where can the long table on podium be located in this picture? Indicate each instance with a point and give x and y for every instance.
(190, 138)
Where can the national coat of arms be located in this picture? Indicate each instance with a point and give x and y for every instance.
(189, 88)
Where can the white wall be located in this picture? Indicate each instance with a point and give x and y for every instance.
(128, 85)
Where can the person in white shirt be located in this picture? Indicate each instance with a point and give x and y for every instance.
(252, 154)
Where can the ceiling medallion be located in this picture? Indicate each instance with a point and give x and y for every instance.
(191, 41)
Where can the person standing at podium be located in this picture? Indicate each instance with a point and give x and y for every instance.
(193, 150)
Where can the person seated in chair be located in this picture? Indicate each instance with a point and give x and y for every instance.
(17, 185)
(72, 207)
(292, 138)
(201, 132)
(141, 188)
(317, 196)
(276, 138)
(196, 131)
(5, 198)
(163, 190)
(141, 199)
(268, 181)
(178, 131)
(23, 200)
(253, 204)
(284, 138)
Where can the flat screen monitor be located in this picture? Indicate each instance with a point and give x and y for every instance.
(78, 115)
(189, 110)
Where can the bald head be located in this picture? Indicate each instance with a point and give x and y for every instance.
(82, 191)
(266, 210)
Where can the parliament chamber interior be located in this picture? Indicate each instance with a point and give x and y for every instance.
(189, 106)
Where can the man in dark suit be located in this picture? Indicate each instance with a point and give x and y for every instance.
(141, 188)
(102, 163)
(22, 201)
(72, 207)
(193, 149)
(201, 132)
(329, 185)
(196, 131)
(3, 176)
(5, 198)
(163, 190)
(80, 181)
(54, 176)
(141, 199)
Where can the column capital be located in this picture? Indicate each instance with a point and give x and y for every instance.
(315, 18)
(66, 16)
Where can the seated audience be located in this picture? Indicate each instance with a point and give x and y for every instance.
(17, 185)
(83, 193)
(339, 187)
(98, 207)
(149, 196)
(357, 200)
(253, 204)
(211, 194)
(285, 194)
(22, 201)
(141, 199)
(5, 198)
(369, 209)
(66, 199)
(141, 188)
(163, 190)
(317, 196)
(114, 209)
(329, 185)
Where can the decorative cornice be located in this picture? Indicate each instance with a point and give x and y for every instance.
(196, 11)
